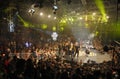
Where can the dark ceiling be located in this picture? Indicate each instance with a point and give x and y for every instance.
(62, 4)
(65, 7)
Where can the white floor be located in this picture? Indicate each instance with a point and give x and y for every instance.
(94, 56)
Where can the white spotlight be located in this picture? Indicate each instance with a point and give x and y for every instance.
(94, 14)
(55, 17)
(49, 16)
(55, 7)
(108, 17)
(31, 11)
(41, 14)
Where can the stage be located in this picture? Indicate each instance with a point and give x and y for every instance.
(94, 56)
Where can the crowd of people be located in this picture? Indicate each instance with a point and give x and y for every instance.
(48, 61)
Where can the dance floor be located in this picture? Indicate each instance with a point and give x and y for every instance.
(94, 55)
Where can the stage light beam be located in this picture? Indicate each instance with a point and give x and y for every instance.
(101, 7)
(26, 24)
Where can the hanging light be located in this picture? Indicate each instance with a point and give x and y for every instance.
(31, 11)
(11, 26)
(54, 36)
(55, 7)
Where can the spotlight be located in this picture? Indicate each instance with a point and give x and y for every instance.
(31, 11)
(94, 14)
(54, 36)
(55, 7)
(11, 26)
(80, 18)
(107, 17)
(41, 14)
(49, 16)
(55, 17)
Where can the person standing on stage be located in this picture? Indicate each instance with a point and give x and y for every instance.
(71, 50)
(77, 47)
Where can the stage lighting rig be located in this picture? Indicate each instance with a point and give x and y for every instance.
(31, 11)
(55, 7)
